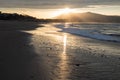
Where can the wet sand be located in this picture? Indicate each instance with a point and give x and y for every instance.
(47, 54)
(71, 57)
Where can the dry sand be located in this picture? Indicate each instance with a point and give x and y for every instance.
(16, 55)
(45, 54)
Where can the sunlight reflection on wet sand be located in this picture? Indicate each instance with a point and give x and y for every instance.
(63, 60)
(64, 42)
(63, 64)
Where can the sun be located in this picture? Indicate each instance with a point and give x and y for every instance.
(66, 10)
(63, 11)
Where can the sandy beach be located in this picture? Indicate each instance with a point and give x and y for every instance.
(31, 52)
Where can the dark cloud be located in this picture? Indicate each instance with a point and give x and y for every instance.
(55, 3)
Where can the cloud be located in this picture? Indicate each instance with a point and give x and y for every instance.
(52, 4)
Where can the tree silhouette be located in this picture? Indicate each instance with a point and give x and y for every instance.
(21, 17)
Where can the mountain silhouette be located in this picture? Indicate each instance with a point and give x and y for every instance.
(88, 17)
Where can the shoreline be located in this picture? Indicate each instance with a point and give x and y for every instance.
(82, 58)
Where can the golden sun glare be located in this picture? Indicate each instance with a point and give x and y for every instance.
(63, 11)
(66, 11)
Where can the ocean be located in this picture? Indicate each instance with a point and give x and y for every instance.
(100, 31)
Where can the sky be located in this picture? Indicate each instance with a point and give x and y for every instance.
(48, 8)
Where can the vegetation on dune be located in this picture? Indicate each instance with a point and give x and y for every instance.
(21, 17)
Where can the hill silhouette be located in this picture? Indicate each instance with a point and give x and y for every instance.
(88, 17)
(21, 17)
(15, 16)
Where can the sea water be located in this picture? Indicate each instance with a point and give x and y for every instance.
(101, 31)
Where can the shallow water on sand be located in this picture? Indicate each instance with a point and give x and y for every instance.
(71, 57)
